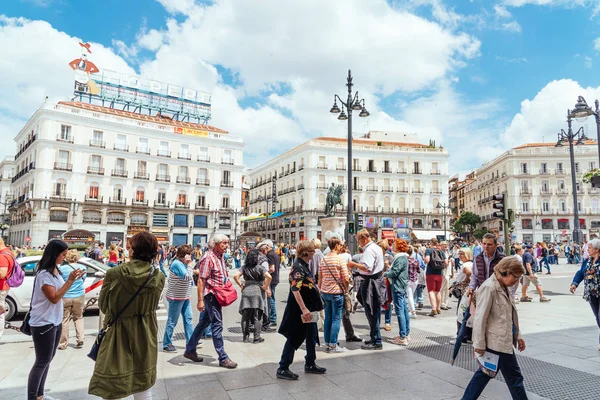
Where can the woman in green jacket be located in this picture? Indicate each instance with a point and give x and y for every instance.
(126, 362)
(398, 277)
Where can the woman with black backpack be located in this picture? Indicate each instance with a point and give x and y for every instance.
(256, 284)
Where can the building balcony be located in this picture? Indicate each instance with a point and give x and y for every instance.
(163, 153)
(142, 150)
(560, 172)
(545, 192)
(163, 178)
(54, 196)
(58, 218)
(300, 186)
(356, 168)
(417, 172)
(418, 211)
(182, 205)
(358, 188)
(300, 167)
(115, 221)
(321, 165)
(92, 220)
(372, 189)
(121, 173)
(386, 171)
(227, 161)
(321, 185)
(402, 190)
(23, 171)
(121, 147)
(387, 189)
(203, 158)
(387, 209)
(63, 166)
(26, 146)
(183, 179)
(371, 170)
(141, 175)
(418, 190)
(525, 191)
(544, 172)
(91, 199)
(340, 167)
(436, 173)
(122, 201)
(292, 170)
(227, 184)
(203, 182)
(95, 170)
(436, 191)
(65, 139)
(201, 207)
(139, 202)
(183, 156)
(401, 171)
(401, 210)
(164, 204)
(97, 143)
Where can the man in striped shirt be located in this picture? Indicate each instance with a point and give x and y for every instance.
(211, 275)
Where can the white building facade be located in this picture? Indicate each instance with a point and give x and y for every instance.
(536, 180)
(115, 173)
(396, 188)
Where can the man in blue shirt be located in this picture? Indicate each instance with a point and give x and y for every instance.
(477, 250)
(73, 301)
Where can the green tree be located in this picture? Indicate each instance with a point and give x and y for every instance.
(469, 220)
(458, 227)
(479, 232)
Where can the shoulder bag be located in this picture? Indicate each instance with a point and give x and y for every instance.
(347, 297)
(93, 354)
(226, 294)
(25, 327)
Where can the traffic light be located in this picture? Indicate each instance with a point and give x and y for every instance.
(499, 205)
(351, 228)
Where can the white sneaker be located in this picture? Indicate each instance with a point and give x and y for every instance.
(413, 315)
(46, 397)
(337, 349)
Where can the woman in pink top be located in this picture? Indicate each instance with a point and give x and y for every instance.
(333, 283)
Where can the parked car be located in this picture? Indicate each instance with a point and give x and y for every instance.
(18, 299)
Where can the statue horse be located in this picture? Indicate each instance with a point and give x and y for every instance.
(334, 197)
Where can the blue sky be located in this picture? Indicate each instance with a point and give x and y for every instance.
(488, 73)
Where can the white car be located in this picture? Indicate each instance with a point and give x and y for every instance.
(18, 299)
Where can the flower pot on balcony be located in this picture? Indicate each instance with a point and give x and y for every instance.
(595, 181)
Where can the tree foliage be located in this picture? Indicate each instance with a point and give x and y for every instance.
(479, 232)
(469, 220)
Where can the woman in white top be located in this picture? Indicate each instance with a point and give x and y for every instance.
(47, 313)
(460, 286)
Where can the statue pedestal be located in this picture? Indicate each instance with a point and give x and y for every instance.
(333, 224)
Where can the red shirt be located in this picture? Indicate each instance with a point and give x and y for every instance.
(6, 261)
(212, 271)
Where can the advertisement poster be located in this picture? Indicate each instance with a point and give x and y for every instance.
(387, 223)
(371, 222)
(402, 223)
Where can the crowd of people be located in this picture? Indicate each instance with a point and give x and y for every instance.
(327, 285)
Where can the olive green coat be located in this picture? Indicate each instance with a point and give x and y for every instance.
(126, 362)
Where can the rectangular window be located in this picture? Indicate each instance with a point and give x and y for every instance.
(163, 169)
(96, 162)
(563, 223)
(526, 223)
(121, 143)
(371, 166)
(416, 168)
(559, 167)
(183, 172)
(180, 220)
(545, 206)
(226, 176)
(386, 166)
(201, 201)
(545, 186)
(523, 168)
(139, 219)
(63, 157)
(161, 198)
(160, 220)
(547, 223)
(185, 150)
(98, 137)
(595, 224)
(561, 185)
(65, 132)
(143, 145)
(225, 202)
(120, 165)
(544, 169)
(200, 221)
(93, 193)
(525, 206)
(141, 167)
(576, 167)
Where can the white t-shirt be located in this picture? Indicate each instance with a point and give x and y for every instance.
(43, 312)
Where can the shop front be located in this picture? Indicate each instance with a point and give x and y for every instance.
(161, 234)
(115, 238)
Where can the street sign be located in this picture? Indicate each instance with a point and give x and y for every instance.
(28, 239)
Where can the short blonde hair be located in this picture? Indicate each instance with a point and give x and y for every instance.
(317, 243)
(363, 233)
(468, 253)
(510, 265)
(304, 247)
(384, 244)
(518, 248)
(72, 256)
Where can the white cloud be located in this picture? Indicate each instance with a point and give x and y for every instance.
(570, 3)
(597, 44)
(588, 62)
(502, 12)
(512, 26)
(541, 118)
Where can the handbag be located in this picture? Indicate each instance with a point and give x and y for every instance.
(226, 294)
(93, 354)
(25, 327)
(347, 297)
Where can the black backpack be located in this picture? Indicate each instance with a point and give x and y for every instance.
(437, 260)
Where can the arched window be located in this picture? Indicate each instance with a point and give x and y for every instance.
(182, 198)
(321, 199)
(417, 203)
(386, 202)
(94, 191)
(60, 188)
(402, 204)
(139, 194)
(225, 202)
(118, 193)
(161, 198)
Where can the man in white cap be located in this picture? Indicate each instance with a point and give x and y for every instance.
(270, 318)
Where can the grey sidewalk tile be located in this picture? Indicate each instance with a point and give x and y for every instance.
(191, 390)
(384, 367)
(407, 357)
(363, 383)
(446, 372)
(428, 387)
(337, 366)
(244, 378)
(272, 391)
(307, 383)
(570, 362)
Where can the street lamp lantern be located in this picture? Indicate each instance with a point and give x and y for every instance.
(581, 110)
(352, 103)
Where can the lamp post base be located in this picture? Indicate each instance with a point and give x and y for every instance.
(577, 236)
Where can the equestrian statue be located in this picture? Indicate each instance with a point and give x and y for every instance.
(334, 197)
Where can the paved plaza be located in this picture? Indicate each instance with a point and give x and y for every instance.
(561, 360)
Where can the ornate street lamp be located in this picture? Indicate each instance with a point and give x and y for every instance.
(577, 138)
(443, 207)
(352, 103)
(582, 111)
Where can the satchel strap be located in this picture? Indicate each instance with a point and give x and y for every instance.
(116, 317)
(336, 281)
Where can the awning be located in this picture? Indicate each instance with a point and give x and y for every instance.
(427, 235)
(276, 214)
(388, 235)
(251, 217)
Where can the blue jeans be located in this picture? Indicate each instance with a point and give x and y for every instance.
(334, 304)
(177, 307)
(161, 265)
(207, 333)
(401, 312)
(544, 260)
(419, 294)
(213, 315)
(273, 305)
(287, 356)
(512, 375)
(388, 314)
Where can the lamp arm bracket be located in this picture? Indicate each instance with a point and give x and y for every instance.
(340, 100)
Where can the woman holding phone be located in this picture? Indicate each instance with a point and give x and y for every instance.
(297, 324)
